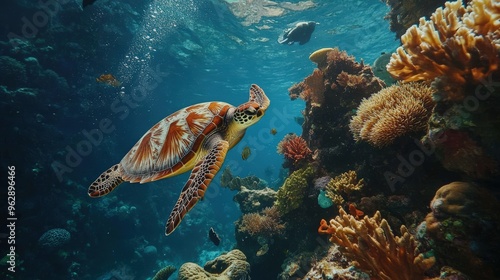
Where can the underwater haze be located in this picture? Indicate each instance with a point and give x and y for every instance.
(82, 81)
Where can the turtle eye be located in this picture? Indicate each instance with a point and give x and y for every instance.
(250, 111)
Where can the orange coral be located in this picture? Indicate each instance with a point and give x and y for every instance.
(458, 46)
(355, 212)
(393, 112)
(294, 148)
(372, 246)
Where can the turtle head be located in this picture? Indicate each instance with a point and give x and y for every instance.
(249, 113)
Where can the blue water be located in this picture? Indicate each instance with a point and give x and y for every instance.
(199, 51)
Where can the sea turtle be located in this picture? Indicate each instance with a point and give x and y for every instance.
(300, 32)
(195, 138)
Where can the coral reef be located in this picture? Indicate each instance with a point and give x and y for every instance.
(458, 46)
(266, 223)
(54, 239)
(294, 148)
(461, 229)
(293, 191)
(228, 266)
(393, 112)
(344, 183)
(457, 52)
(164, 273)
(372, 246)
(345, 83)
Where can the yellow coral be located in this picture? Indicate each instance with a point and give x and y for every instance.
(372, 246)
(228, 266)
(290, 196)
(393, 112)
(457, 46)
(343, 183)
(319, 57)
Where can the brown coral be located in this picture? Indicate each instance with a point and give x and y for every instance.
(393, 112)
(311, 89)
(457, 47)
(267, 223)
(372, 246)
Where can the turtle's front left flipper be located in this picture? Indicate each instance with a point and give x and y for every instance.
(194, 189)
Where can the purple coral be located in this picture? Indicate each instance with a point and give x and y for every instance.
(54, 238)
(321, 182)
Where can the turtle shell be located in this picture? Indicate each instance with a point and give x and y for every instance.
(172, 145)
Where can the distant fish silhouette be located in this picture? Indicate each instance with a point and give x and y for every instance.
(212, 235)
(109, 80)
(301, 33)
(86, 3)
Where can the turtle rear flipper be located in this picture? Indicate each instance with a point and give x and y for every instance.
(106, 182)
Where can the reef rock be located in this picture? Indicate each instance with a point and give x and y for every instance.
(229, 266)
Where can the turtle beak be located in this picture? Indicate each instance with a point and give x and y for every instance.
(260, 113)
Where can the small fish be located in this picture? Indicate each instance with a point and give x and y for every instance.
(108, 79)
(212, 235)
(245, 154)
(273, 131)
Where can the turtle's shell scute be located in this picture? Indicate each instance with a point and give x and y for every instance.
(172, 142)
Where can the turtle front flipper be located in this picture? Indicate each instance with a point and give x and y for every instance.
(106, 182)
(257, 95)
(194, 189)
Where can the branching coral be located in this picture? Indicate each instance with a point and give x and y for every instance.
(266, 224)
(372, 246)
(393, 112)
(344, 183)
(294, 148)
(293, 191)
(457, 47)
